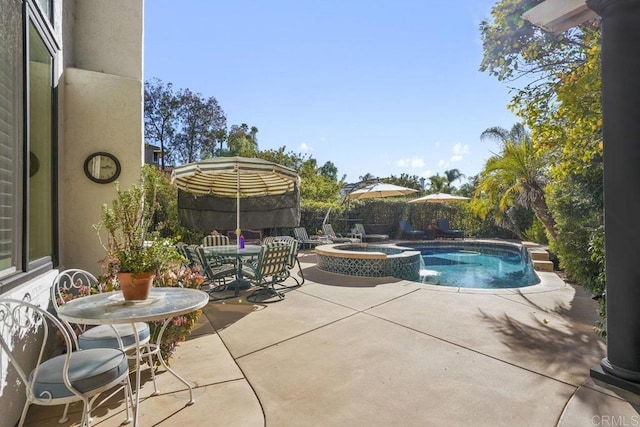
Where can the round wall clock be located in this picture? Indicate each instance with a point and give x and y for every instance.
(102, 167)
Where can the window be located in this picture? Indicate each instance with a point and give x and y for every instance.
(40, 147)
(46, 7)
(27, 143)
(11, 138)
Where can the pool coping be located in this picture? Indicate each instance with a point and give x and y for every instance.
(334, 250)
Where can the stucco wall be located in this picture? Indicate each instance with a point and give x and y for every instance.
(102, 113)
(108, 37)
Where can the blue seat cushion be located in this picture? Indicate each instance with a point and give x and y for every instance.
(88, 370)
(103, 336)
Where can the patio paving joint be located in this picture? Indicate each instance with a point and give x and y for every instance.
(357, 309)
(473, 351)
(286, 339)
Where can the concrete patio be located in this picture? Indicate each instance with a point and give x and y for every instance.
(348, 351)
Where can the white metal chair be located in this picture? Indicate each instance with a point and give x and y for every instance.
(76, 283)
(76, 375)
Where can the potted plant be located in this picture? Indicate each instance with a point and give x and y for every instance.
(134, 252)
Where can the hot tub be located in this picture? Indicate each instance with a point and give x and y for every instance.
(363, 259)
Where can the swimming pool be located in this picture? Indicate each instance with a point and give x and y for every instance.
(476, 265)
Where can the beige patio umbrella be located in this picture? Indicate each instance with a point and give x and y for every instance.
(237, 177)
(376, 190)
(438, 198)
(379, 190)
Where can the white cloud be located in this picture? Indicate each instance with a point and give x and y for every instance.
(411, 162)
(459, 151)
(305, 148)
(443, 163)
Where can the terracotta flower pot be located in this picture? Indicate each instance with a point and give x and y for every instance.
(135, 286)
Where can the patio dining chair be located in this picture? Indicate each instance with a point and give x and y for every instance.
(216, 269)
(75, 375)
(293, 257)
(270, 270)
(328, 231)
(219, 240)
(215, 240)
(76, 283)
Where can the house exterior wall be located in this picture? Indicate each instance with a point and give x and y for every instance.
(99, 77)
(102, 111)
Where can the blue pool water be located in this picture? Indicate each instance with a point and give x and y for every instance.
(476, 266)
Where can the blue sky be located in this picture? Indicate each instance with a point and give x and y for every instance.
(380, 87)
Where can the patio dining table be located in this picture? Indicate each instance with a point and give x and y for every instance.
(249, 251)
(163, 304)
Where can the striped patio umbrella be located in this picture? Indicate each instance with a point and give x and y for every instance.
(237, 177)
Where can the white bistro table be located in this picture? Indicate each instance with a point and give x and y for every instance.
(111, 308)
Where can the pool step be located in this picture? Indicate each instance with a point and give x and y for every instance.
(540, 265)
(539, 256)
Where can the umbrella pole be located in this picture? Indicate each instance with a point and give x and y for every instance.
(238, 206)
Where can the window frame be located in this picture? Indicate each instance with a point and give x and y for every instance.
(22, 269)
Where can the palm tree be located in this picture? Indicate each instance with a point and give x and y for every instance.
(517, 133)
(243, 141)
(367, 178)
(516, 175)
(452, 175)
(439, 184)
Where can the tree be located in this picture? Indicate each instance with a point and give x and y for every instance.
(368, 178)
(514, 48)
(517, 175)
(439, 184)
(452, 175)
(405, 180)
(203, 123)
(329, 171)
(316, 186)
(186, 125)
(243, 141)
(561, 106)
(160, 116)
(289, 159)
